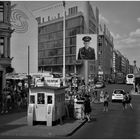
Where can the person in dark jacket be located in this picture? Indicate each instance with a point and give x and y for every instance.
(87, 107)
(86, 52)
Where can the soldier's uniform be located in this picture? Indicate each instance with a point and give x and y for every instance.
(86, 53)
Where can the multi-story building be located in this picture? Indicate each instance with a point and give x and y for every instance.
(117, 60)
(81, 18)
(105, 51)
(5, 35)
(121, 63)
(130, 69)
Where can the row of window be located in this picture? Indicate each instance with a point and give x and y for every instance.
(78, 21)
(57, 44)
(1, 46)
(73, 10)
(92, 26)
(57, 60)
(1, 11)
(56, 52)
(59, 34)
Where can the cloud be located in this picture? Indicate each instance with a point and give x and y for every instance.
(135, 33)
(115, 36)
(132, 40)
(103, 19)
(138, 19)
(116, 21)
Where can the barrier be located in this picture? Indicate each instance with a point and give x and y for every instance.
(79, 109)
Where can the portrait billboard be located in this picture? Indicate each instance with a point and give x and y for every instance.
(86, 46)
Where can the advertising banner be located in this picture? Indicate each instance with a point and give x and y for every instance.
(86, 47)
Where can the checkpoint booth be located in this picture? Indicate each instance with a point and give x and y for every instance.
(46, 104)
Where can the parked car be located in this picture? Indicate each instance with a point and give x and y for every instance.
(117, 95)
(100, 84)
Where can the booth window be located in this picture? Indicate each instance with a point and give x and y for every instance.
(32, 99)
(49, 99)
(41, 98)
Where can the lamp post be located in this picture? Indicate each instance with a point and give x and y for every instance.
(28, 73)
(64, 43)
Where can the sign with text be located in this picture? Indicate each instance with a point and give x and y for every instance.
(55, 82)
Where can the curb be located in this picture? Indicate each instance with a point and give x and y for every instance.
(71, 133)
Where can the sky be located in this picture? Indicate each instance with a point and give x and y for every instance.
(123, 21)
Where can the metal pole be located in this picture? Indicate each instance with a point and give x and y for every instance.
(28, 75)
(63, 43)
(28, 60)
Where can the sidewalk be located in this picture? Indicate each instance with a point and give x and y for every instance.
(19, 128)
(134, 93)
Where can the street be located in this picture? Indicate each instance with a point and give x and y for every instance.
(114, 124)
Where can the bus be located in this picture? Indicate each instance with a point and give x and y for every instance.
(130, 79)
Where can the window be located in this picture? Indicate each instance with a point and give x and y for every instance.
(41, 98)
(1, 46)
(1, 11)
(73, 10)
(49, 99)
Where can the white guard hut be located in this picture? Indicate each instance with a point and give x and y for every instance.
(46, 104)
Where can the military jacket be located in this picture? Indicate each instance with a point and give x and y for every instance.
(87, 54)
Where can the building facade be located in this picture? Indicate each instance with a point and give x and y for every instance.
(105, 52)
(81, 18)
(5, 35)
(121, 63)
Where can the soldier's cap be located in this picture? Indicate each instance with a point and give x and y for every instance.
(86, 38)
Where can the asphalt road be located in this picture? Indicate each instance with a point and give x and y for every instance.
(114, 124)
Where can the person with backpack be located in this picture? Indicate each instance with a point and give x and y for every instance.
(106, 101)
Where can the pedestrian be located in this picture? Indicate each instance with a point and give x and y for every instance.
(128, 100)
(87, 107)
(102, 96)
(106, 101)
(124, 101)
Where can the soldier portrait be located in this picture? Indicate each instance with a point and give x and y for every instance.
(86, 51)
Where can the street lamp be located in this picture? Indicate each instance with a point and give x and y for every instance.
(64, 43)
